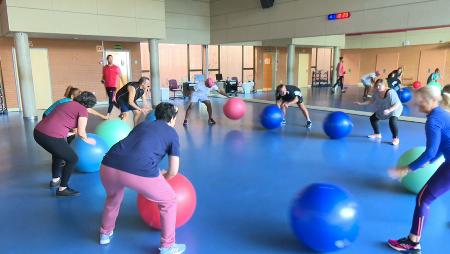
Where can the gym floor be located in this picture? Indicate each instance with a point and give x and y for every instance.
(245, 178)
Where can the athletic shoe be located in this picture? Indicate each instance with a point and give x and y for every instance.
(67, 192)
(174, 249)
(283, 122)
(405, 244)
(396, 142)
(211, 121)
(106, 238)
(369, 96)
(308, 124)
(55, 184)
(185, 123)
(332, 90)
(374, 136)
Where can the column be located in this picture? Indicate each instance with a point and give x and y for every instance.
(205, 61)
(154, 71)
(290, 64)
(336, 55)
(25, 75)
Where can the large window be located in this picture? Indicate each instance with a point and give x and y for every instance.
(248, 58)
(195, 53)
(231, 62)
(213, 61)
(172, 63)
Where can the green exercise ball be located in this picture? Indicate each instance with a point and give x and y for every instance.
(112, 131)
(414, 181)
(435, 84)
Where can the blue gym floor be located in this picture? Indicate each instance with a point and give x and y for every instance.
(245, 179)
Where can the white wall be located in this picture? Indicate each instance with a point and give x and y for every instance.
(187, 21)
(243, 20)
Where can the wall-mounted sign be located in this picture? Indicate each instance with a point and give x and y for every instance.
(118, 46)
(339, 15)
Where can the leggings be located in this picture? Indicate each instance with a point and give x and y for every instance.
(61, 152)
(339, 82)
(392, 124)
(153, 188)
(110, 91)
(438, 184)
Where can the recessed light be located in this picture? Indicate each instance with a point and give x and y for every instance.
(76, 38)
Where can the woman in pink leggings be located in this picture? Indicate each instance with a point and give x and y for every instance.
(133, 163)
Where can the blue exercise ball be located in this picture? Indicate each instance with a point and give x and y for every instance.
(405, 95)
(89, 156)
(324, 217)
(271, 117)
(151, 116)
(337, 125)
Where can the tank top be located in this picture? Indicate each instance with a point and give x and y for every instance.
(123, 93)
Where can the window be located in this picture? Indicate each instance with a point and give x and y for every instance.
(172, 63)
(231, 62)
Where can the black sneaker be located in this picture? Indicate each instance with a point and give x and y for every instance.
(185, 123)
(308, 124)
(211, 121)
(67, 192)
(405, 244)
(53, 184)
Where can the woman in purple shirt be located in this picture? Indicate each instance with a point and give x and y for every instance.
(51, 134)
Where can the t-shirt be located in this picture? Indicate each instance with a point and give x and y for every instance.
(367, 79)
(291, 93)
(144, 148)
(340, 69)
(201, 89)
(55, 104)
(384, 101)
(123, 93)
(62, 119)
(110, 74)
(433, 77)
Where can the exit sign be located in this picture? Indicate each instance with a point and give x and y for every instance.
(339, 15)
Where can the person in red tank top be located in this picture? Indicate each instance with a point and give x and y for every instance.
(110, 74)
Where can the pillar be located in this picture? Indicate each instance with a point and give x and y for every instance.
(205, 61)
(336, 55)
(290, 64)
(154, 71)
(25, 75)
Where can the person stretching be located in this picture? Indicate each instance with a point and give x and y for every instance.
(437, 130)
(287, 95)
(133, 163)
(387, 106)
(368, 80)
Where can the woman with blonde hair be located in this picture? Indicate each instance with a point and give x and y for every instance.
(437, 130)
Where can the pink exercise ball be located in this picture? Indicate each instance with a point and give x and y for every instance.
(417, 85)
(234, 108)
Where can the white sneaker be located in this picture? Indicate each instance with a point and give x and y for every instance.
(174, 249)
(105, 238)
(396, 142)
(374, 136)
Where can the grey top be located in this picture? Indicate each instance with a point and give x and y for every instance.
(384, 101)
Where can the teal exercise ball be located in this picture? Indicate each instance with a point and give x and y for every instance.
(89, 156)
(112, 131)
(415, 180)
(435, 84)
(151, 116)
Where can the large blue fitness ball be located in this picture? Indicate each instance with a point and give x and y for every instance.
(337, 125)
(151, 116)
(271, 117)
(89, 156)
(405, 95)
(324, 217)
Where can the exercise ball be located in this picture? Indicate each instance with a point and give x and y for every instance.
(151, 116)
(405, 95)
(234, 108)
(324, 217)
(435, 84)
(89, 156)
(186, 203)
(337, 125)
(417, 85)
(112, 131)
(415, 180)
(271, 117)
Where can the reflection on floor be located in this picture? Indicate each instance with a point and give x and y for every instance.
(245, 179)
(321, 96)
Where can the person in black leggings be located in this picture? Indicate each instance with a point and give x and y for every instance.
(51, 134)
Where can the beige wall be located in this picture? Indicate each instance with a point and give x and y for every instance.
(99, 18)
(187, 21)
(244, 20)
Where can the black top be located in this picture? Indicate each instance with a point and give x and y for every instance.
(291, 93)
(123, 93)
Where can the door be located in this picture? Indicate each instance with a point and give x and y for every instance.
(386, 63)
(41, 77)
(121, 58)
(351, 66)
(303, 69)
(429, 61)
(267, 71)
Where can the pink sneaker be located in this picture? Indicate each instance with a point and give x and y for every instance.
(405, 244)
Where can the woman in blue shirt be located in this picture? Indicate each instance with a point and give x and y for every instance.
(437, 129)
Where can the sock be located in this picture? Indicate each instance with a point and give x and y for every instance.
(55, 179)
(62, 188)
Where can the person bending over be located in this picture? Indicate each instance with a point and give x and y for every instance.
(437, 131)
(394, 79)
(387, 106)
(133, 163)
(287, 95)
(368, 80)
(127, 96)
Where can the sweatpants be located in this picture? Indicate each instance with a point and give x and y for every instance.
(438, 184)
(111, 92)
(339, 82)
(61, 152)
(155, 189)
(392, 124)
